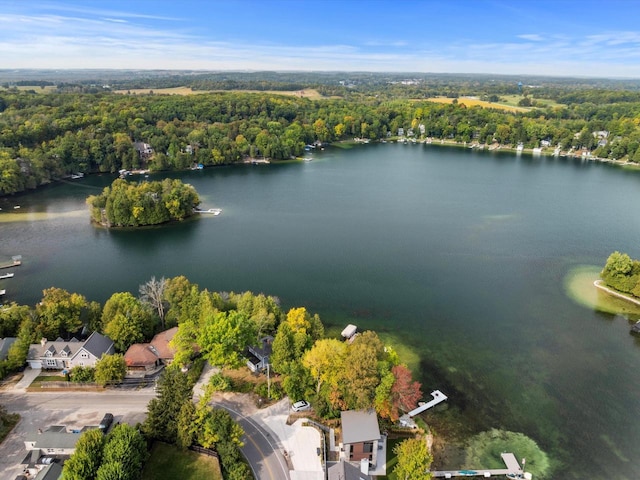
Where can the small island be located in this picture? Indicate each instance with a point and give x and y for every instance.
(126, 204)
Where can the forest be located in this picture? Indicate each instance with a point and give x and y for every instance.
(46, 137)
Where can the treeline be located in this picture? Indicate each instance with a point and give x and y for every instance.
(47, 137)
(126, 204)
(622, 273)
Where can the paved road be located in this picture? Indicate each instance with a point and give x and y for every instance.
(261, 449)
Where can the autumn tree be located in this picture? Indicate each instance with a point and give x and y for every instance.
(414, 460)
(325, 360)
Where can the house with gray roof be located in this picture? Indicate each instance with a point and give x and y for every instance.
(363, 445)
(346, 471)
(66, 354)
(258, 356)
(55, 440)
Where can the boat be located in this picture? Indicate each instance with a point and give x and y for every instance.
(212, 211)
(75, 176)
(6, 275)
(2, 292)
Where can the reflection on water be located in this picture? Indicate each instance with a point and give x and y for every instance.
(27, 216)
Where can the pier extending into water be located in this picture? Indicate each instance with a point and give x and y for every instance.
(513, 470)
(438, 397)
(15, 261)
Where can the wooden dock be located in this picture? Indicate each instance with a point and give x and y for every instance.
(513, 470)
(15, 262)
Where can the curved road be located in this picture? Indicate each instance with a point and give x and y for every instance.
(261, 449)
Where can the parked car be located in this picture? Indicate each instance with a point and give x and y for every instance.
(300, 406)
(106, 422)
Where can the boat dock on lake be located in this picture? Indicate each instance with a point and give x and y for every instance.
(212, 211)
(513, 470)
(15, 261)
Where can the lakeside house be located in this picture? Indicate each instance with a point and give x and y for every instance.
(362, 443)
(66, 354)
(146, 358)
(258, 356)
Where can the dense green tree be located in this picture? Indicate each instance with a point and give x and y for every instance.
(87, 458)
(59, 313)
(110, 369)
(126, 320)
(414, 460)
(125, 446)
(11, 316)
(224, 335)
(622, 273)
(174, 389)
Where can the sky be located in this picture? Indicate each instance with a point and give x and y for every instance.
(536, 37)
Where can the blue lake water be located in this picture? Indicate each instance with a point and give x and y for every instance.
(459, 254)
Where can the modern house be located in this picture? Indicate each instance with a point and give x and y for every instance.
(363, 445)
(63, 354)
(258, 356)
(143, 358)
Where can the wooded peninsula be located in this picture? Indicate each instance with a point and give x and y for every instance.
(56, 127)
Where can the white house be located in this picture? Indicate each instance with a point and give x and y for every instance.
(62, 354)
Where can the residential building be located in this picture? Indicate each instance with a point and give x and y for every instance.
(55, 440)
(66, 354)
(346, 471)
(258, 356)
(143, 358)
(362, 442)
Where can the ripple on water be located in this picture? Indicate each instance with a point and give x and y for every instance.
(579, 286)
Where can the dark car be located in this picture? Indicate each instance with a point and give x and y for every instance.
(106, 422)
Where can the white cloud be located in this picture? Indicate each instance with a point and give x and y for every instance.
(533, 37)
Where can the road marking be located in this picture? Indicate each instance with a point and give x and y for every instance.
(258, 429)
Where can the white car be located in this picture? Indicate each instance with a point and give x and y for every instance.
(300, 406)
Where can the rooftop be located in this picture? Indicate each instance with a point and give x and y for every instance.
(359, 426)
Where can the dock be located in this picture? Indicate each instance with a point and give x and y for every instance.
(438, 397)
(513, 470)
(15, 261)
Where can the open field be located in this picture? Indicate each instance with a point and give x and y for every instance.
(167, 462)
(472, 102)
(542, 102)
(307, 93)
(35, 88)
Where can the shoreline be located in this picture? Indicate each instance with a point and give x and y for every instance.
(601, 286)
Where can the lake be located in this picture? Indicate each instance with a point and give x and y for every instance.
(461, 256)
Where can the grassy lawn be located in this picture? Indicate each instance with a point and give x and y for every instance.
(472, 102)
(168, 463)
(392, 459)
(7, 422)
